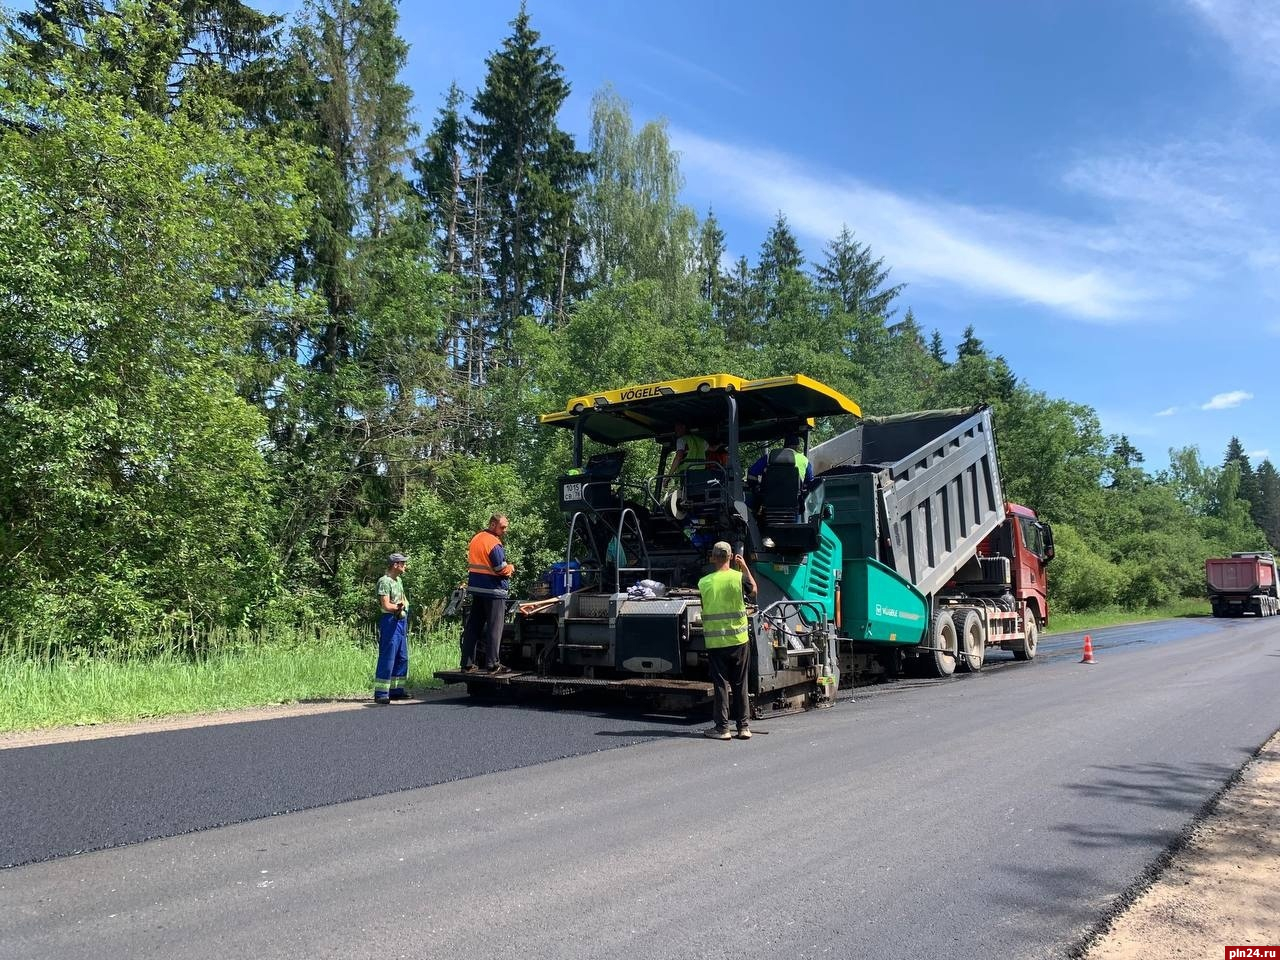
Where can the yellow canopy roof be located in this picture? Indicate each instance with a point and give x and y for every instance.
(767, 408)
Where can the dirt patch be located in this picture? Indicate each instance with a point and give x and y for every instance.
(1222, 887)
(99, 731)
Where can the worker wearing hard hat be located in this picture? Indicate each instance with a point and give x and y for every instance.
(725, 632)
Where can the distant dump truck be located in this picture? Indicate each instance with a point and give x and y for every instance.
(1242, 583)
(897, 555)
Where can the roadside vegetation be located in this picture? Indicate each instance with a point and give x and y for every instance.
(225, 671)
(1117, 616)
(258, 329)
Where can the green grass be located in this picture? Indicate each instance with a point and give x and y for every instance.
(38, 692)
(1113, 616)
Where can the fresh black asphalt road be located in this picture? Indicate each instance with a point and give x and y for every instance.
(73, 797)
(994, 815)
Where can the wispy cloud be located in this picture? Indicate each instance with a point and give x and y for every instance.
(1258, 454)
(990, 252)
(1197, 209)
(1225, 401)
(692, 69)
(1251, 29)
(1167, 412)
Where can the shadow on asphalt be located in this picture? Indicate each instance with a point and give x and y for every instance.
(1182, 789)
(1050, 896)
(1160, 785)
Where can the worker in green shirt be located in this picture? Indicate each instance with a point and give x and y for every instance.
(393, 644)
(726, 633)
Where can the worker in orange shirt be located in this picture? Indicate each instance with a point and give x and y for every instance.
(488, 583)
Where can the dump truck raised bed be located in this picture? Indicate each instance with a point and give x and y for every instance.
(1242, 583)
(900, 555)
(918, 503)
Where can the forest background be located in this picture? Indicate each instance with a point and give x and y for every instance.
(257, 330)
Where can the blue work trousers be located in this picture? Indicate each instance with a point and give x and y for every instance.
(393, 657)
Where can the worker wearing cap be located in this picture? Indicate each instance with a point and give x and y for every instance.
(393, 645)
(488, 582)
(725, 632)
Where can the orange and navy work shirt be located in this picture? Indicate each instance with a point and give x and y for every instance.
(488, 572)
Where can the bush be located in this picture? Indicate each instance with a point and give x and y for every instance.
(1081, 578)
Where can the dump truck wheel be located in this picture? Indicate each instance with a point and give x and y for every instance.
(973, 642)
(943, 638)
(1029, 642)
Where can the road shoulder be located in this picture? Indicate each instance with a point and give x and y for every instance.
(101, 731)
(1222, 887)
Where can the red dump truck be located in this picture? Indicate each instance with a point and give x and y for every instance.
(1242, 583)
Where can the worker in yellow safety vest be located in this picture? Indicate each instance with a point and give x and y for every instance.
(725, 631)
(690, 449)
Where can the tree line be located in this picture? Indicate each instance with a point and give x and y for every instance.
(257, 328)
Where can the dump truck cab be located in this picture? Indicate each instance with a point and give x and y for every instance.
(1028, 542)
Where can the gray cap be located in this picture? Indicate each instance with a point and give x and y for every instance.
(723, 547)
(397, 558)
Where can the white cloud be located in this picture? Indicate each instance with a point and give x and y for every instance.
(992, 252)
(1167, 412)
(1225, 401)
(1251, 28)
(1258, 454)
(1209, 202)
(1190, 215)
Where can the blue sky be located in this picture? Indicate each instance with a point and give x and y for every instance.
(1094, 184)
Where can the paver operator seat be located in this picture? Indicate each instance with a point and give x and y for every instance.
(780, 492)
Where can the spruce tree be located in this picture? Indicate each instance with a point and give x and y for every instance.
(857, 278)
(937, 349)
(1125, 465)
(1248, 482)
(1268, 514)
(226, 46)
(781, 285)
(780, 254)
(532, 174)
(711, 251)
(970, 345)
(908, 332)
(740, 306)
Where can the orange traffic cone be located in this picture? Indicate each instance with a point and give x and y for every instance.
(1088, 650)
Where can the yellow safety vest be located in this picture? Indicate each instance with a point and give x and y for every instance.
(724, 614)
(802, 464)
(695, 450)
